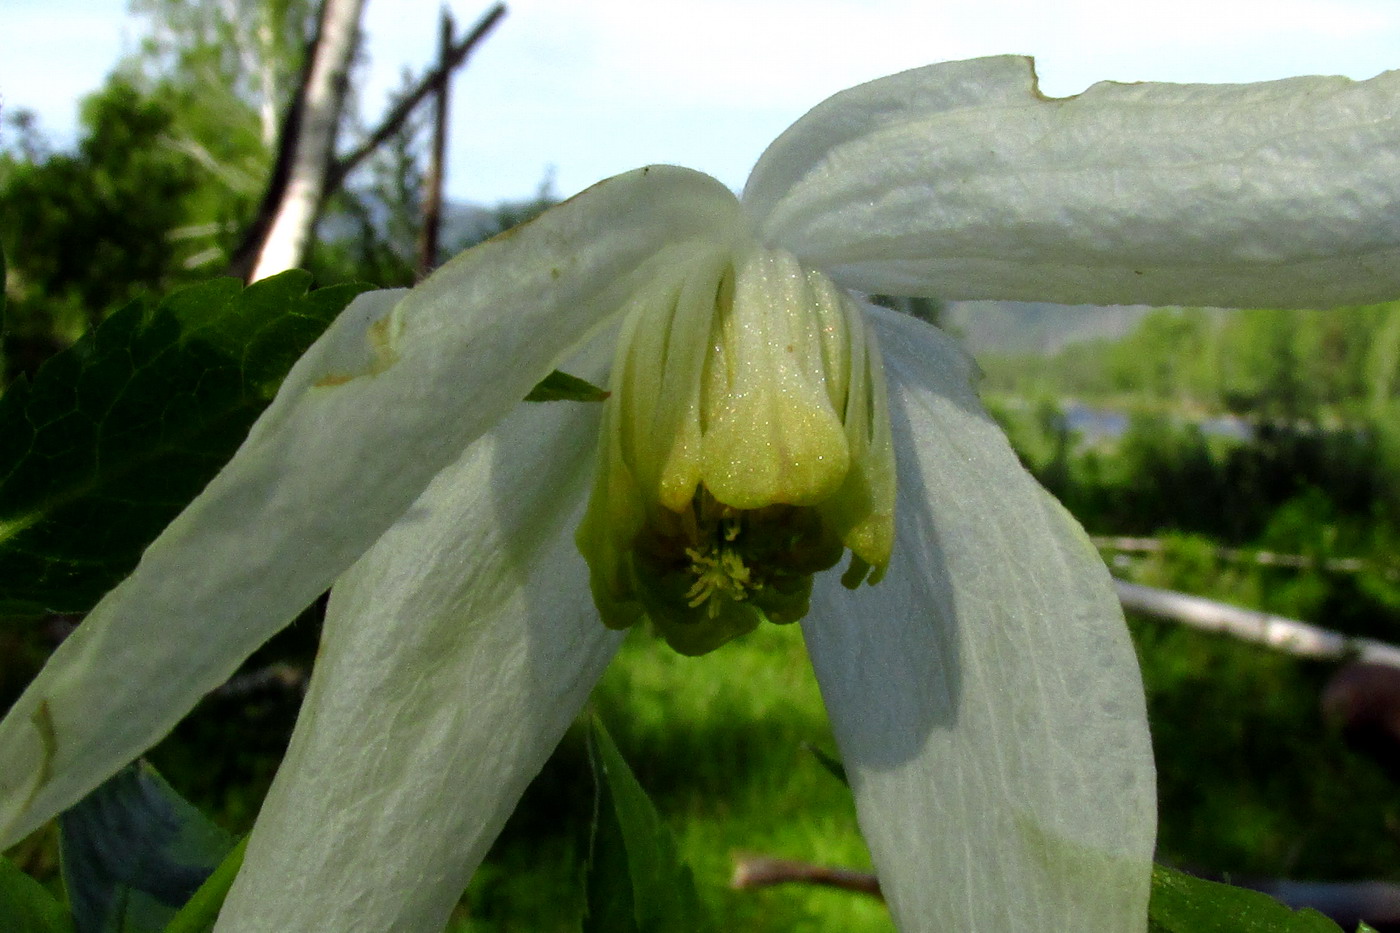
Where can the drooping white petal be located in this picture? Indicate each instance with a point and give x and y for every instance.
(392, 394)
(961, 180)
(455, 653)
(985, 695)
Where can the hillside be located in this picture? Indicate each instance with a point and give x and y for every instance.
(1038, 327)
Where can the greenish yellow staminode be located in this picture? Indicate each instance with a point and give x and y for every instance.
(745, 447)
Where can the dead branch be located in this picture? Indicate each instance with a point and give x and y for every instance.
(400, 112)
(1131, 545)
(1346, 902)
(764, 871)
(1300, 639)
(437, 157)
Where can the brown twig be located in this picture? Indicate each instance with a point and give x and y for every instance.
(764, 871)
(437, 158)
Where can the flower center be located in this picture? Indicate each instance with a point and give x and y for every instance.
(718, 567)
(744, 447)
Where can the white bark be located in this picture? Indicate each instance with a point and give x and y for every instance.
(266, 71)
(285, 244)
(1288, 635)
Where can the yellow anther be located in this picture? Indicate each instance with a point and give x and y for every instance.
(719, 574)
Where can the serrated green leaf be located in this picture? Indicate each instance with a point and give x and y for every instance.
(201, 910)
(1183, 904)
(26, 907)
(118, 433)
(562, 387)
(134, 852)
(636, 881)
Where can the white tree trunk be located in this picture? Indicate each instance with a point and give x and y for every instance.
(284, 247)
(1288, 635)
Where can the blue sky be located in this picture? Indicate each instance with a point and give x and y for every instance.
(589, 88)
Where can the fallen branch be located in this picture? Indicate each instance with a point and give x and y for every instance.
(1300, 639)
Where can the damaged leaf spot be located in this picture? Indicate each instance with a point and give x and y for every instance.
(42, 718)
(380, 341)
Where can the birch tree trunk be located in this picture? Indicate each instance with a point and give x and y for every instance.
(322, 97)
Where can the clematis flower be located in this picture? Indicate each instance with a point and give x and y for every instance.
(764, 424)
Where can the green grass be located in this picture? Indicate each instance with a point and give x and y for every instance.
(1252, 781)
(718, 742)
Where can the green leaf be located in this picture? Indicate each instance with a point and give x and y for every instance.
(201, 910)
(832, 764)
(636, 881)
(561, 387)
(134, 852)
(25, 907)
(608, 880)
(119, 432)
(1183, 904)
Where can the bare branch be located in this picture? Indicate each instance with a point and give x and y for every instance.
(1132, 545)
(764, 871)
(233, 178)
(437, 160)
(246, 253)
(400, 112)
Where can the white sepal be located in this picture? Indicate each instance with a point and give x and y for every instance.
(985, 695)
(455, 654)
(392, 393)
(961, 180)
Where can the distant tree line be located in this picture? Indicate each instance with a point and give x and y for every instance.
(171, 161)
(1286, 365)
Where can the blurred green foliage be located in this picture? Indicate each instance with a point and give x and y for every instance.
(89, 231)
(1291, 508)
(172, 157)
(116, 434)
(719, 744)
(1317, 365)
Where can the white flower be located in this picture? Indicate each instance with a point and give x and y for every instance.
(984, 693)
